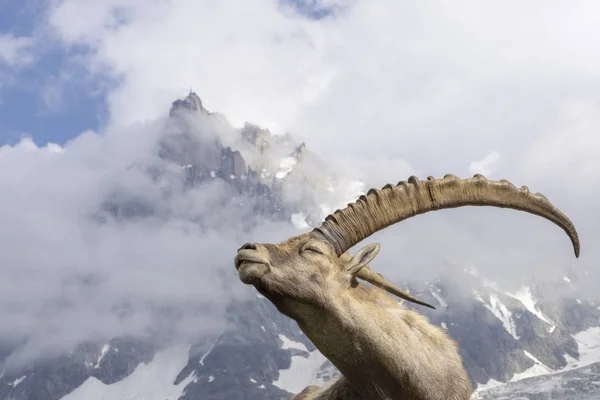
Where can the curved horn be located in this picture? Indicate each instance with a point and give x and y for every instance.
(382, 208)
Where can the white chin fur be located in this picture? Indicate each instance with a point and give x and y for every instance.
(249, 273)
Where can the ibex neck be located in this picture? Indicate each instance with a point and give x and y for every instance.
(384, 351)
(351, 339)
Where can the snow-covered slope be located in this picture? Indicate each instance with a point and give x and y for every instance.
(579, 377)
(303, 369)
(152, 381)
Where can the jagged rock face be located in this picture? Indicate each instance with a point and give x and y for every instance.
(262, 354)
(191, 103)
(259, 138)
(244, 361)
(54, 378)
(500, 333)
(233, 163)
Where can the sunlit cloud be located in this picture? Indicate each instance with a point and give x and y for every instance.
(487, 166)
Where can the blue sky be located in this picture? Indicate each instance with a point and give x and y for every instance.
(23, 110)
(34, 102)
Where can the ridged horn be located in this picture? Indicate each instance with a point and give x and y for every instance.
(392, 204)
(367, 274)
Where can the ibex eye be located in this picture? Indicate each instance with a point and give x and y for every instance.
(313, 249)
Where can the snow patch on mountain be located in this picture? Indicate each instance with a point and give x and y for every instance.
(492, 383)
(303, 370)
(439, 298)
(588, 346)
(286, 166)
(588, 342)
(537, 369)
(18, 380)
(153, 381)
(290, 344)
(103, 352)
(525, 296)
(301, 373)
(201, 362)
(501, 312)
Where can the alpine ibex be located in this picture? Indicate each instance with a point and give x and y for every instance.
(382, 350)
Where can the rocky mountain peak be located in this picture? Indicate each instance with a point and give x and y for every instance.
(191, 103)
(300, 152)
(257, 137)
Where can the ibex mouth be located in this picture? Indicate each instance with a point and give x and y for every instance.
(251, 266)
(245, 257)
(242, 263)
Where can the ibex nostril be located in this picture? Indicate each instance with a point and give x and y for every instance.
(248, 246)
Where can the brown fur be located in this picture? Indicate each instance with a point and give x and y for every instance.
(337, 389)
(382, 350)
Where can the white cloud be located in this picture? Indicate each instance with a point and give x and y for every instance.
(386, 89)
(415, 81)
(15, 51)
(487, 166)
(256, 51)
(71, 272)
(569, 150)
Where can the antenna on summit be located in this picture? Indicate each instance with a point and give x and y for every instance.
(191, 90)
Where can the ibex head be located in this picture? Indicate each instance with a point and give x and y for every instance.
(309, 267)
(303, 268)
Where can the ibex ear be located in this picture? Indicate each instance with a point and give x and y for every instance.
(362, 257)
